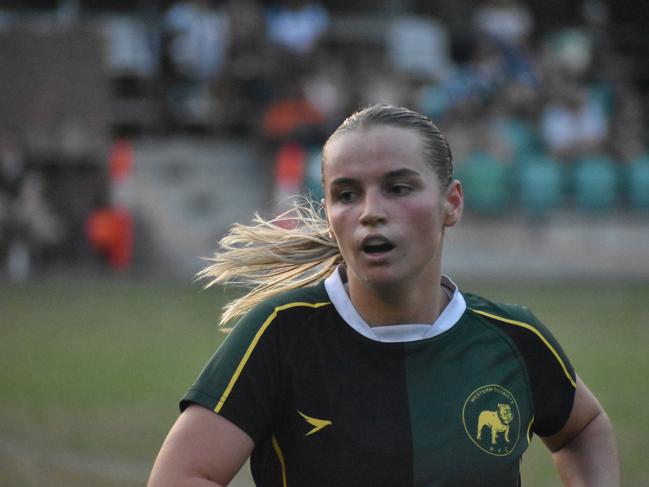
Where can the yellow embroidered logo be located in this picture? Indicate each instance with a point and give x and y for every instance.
(492, 420)
(317, 424)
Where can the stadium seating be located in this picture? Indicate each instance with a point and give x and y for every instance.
(313, 174)
(637, 182)
(595, 182)
(540, 184)
(486, 183)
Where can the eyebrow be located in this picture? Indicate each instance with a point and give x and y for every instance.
(397, 173)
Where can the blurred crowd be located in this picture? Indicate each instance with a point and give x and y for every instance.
(537, 119)
(237, 67)
(551, 115)
(27, 222)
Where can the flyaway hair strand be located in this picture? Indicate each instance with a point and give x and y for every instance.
(292, 250)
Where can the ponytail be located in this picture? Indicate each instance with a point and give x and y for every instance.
(293, 250)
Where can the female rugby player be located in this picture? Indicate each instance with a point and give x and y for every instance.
(356, 362)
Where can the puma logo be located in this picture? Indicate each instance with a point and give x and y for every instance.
(317, 424)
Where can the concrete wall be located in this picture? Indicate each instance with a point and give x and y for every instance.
(185, 194)
(568, 245)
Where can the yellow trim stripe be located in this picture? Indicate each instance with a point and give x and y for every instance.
(253, 344)
(537, 333)
(529, 431)
(280, 457)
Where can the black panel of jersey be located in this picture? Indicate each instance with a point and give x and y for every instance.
(327, 406)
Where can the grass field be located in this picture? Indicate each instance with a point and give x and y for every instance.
(91, 371)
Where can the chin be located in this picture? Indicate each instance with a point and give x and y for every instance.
(381, 277)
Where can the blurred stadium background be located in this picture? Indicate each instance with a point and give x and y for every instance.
(135, 132)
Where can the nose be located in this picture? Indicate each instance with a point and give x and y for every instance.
(373, 211)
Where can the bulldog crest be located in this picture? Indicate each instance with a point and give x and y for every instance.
(492, 420)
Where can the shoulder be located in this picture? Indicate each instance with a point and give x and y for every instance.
(497, 311)
(311, 297)
(531, 337)
(515, 320)
(291, 305)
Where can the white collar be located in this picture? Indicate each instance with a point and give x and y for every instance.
(449, 316)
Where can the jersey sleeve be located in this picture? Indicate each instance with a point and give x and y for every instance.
(552, 377)
(240, 382)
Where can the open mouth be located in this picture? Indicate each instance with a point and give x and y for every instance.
(377, 246)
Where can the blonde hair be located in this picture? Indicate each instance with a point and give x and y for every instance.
(297, 249)
(293, 250)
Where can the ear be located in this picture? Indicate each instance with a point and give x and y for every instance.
(453, 204)
(323, 203)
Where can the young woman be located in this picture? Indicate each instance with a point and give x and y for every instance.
(357, 362)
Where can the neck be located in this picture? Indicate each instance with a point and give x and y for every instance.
(398, 304)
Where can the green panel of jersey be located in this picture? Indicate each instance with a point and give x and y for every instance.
(327, 406)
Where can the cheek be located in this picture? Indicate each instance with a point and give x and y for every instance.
(423, 220)
(343, 226)
(420, 211)
(338, 222)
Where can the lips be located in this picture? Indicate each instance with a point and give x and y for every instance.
(376, 245)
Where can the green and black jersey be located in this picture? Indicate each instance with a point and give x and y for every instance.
(327, 404)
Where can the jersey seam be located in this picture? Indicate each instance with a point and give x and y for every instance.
(280, 458)
(536, 332)
(253, 344)
(519, 357)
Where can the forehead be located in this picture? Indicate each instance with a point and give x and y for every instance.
(376, 148)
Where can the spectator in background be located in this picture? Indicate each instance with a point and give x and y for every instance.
(508, 21)
(195, 44)
(297, 25)
(27, 223)
(507, 25)
(327, 87)
(290, 166)
(375, 82)
(198, 34)
(486, 68)
(247, 27)
(567, 54)
(12, 175)
(628, 125)
(572, 123)
(595, 16)
(291, 114)
(248, 76)
(419, 47)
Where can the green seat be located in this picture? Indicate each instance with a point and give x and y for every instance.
(519, 135)
(540, 184)
(595, 183)
(313, 175)
(637, 182)
(485, 181)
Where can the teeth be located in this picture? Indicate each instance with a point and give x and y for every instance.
(376, 241)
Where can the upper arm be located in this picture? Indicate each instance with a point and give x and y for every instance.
(202, 447)
(584, 450)
(585, 409)
(227, 409)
